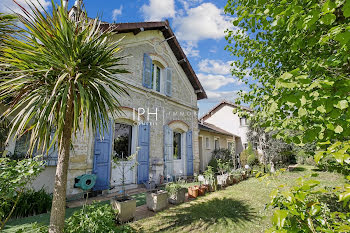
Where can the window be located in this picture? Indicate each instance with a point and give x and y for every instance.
(177, 145)
(245, 145)
(207, 143)
(122, 140)
(243, 121)
(217, 144)
(229, 145)
(156, 77)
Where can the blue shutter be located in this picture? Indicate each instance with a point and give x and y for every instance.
(189, 153)
(52, 154)
(168, 151)
(168, 81)
(143, 153)
(102, 157)
(147, 80)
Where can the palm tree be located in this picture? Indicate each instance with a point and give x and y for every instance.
(61, 76)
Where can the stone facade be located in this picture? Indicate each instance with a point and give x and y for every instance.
(180, 110)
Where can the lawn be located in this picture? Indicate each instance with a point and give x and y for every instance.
(238, 208)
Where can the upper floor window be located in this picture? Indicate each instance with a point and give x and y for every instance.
(244, 121)
(156, 77)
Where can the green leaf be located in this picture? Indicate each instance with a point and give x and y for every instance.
(328, 19)
(338, 129)
(279, 218)
(302, 112)
(343, 104)
(303, 100)
(315, 209)
(318, 156)
(346, 9)
(328, 6)
(321, 109)
(343, 38)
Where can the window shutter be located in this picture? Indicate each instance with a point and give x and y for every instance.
(168, 152)
(168, 81)
(147, 71)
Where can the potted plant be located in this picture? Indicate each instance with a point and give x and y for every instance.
(176, 192)
(193, 192)
(157, 200)
(124, 204)
(223, 178)
(210, 179)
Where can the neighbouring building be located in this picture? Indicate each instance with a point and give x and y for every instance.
(159, 122)
(225, 127)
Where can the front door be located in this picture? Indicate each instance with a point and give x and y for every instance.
(102, 157)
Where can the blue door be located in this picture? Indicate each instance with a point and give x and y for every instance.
(102, 157)
(189, 153)
(143, 153)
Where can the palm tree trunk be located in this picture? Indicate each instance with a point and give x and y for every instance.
(58, 208)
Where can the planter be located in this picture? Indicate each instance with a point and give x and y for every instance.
(230, 179)
(178, 197)
(193, 192)
(201, 190)
(126, 208)
(222, 180)
(157, 200)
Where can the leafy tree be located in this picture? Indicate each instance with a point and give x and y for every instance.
(62, 77)
(297, 56)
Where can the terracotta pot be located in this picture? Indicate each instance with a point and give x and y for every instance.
(193, 192)
(201, 190)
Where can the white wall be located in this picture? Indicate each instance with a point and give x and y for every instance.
(227, 120)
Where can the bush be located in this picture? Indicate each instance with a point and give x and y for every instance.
(252, 160)
(224, 155)
(173, 188)
(30, 203)
(92, 218)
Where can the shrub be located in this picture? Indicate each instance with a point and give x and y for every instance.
(30, 203)
(173, 188)
(249, 152)
(252, 160)
(92, 218)
(224, 155)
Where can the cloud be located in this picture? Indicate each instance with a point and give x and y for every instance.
(190, 49)
(116, 12)
(158, 10)
(215, 97)
(215, 66)
(9, 6)
(215, 81)
(205, 21)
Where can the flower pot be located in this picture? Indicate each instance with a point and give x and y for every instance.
(193, 192)
(178, 197)
(157, 200)
(126, 207)
(230, 179)
(201, 190)
(222, 180)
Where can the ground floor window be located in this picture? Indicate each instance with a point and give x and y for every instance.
(217, 144)
(229, 145)
(177, 145)
(122, 140)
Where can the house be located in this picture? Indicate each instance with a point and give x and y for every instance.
(159, 123)
(212, 138)
(221, 127)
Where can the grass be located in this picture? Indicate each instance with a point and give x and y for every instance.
(25, 224)
(238, 208)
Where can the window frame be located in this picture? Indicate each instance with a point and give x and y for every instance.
(130, 138)
(217, 139)
(180, 146)
(155, 68)
(207, 145)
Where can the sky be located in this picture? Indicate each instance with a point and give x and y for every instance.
(199, 26)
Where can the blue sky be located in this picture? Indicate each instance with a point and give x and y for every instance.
(199, 26)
